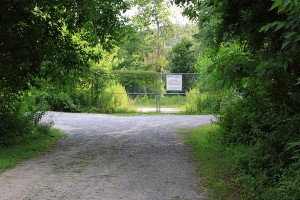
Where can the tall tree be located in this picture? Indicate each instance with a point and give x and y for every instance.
(155, 14)
(257, 53)
(36, 37)
(183, 57)
(44, 41)
(136, 47)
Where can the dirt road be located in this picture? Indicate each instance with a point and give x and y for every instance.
(110, 157)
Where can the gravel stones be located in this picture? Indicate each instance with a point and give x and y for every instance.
(110, 157)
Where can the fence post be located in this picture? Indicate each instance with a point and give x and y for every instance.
(158, 92)
(97, 89)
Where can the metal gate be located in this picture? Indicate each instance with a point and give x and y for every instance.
(149, 83)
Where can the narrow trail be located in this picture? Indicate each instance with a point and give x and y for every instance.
(110, 157)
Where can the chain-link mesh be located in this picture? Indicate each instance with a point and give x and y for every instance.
(150, 84)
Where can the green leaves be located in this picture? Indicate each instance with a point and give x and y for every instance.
(285, 44)
(276, 4)
(289, 29)
(50, 44)
(295, 148)
(265, 73)
(284, 5)
(37, 38)
(289, 34)
(183, 57)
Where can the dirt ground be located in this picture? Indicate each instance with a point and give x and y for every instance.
(110, 157)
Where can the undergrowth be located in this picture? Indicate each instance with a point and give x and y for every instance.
(241, 171)
(215, 162)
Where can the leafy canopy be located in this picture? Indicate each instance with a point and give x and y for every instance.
(36, 37)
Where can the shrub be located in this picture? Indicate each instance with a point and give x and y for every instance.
(82, 100)
(114, 99)
(19, 122)
(144, 100)
(192, 101)
(61, 101)
(207, 103)
(269, 170)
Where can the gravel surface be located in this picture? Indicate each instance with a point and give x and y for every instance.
(110, 157)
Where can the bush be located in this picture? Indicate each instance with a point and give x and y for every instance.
(144, 100)
(269, 170)
(114, 99)
(61, 102)
(82, 100)
(18, 123)
(192, 101)
(137, 80)
(207, 103)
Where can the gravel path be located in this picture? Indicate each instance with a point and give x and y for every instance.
(110, 157)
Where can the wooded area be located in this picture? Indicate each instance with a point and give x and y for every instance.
(247, 53)
(252, 47)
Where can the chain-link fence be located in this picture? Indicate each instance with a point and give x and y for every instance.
(145, 83)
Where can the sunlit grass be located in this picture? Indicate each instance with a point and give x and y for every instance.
(215, 161)
(165, 102)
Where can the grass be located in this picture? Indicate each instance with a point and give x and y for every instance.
(175, 101)
(215, 161)
(27, 148)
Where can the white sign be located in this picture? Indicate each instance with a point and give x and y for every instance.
(174, 82)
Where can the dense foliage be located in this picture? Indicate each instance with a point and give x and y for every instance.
(36, 37)
(253, 48)
(60, 55)
(137, 81)
(183, 57)
(49, 44)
